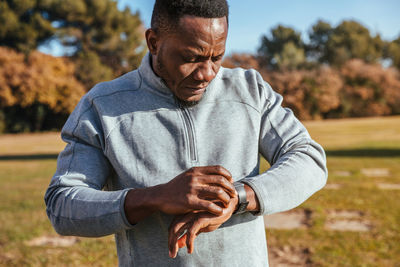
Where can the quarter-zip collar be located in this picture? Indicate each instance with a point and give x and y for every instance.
(151, 80)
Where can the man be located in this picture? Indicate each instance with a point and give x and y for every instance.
(167, 140)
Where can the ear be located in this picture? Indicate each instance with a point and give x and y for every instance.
(152, 41)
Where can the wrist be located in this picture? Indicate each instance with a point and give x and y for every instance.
(156, 199)
(254, 205)
(139, 204)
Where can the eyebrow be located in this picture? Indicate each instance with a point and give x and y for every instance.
(200, 52)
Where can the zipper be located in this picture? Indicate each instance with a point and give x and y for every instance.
(187, 120)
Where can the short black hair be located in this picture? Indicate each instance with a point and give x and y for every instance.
(166, 13)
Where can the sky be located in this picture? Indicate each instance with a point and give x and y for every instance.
(250, 19)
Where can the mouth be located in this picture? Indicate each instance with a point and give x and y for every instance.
(196, 90)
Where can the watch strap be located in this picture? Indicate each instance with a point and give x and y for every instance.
(242, 198)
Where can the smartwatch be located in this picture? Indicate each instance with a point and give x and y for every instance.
(242, 196)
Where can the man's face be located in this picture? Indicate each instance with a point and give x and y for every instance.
(189, 58)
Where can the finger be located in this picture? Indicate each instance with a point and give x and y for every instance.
(176, 230)
(191, 235)
(173, 237)
(214, 193)
(208, 206)
(175, 250)
(217, 169)
(220, 181)
(176, 220)
(175, 244)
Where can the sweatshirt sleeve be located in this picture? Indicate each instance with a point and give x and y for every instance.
(298, 163)
(75, 201)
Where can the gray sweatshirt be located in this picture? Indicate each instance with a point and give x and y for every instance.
(131, 133)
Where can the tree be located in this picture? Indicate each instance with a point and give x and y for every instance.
(290, 58)
(393, 52)
(36, 89)
(319, 36)
(24, 24)
(105, 41)
(283, 49)
(347, 41)
(311, 94)
(96, 28)
(369, 89)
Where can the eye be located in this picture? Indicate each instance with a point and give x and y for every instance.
(217, 58)
(189, 59)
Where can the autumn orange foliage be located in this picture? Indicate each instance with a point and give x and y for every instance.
(369, 89)
(310, 93)
(39, 78)
(355, 89)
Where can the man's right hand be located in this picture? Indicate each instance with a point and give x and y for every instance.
(197, 189)
(193, 190)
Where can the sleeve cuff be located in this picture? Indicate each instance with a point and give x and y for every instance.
(258, 195)
(122, 209)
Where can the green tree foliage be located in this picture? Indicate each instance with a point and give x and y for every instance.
(348, 40)
(393, 52)
(102, 36)
(24, 24)
(35, 92)
(291, 57)
(90, 69)
(105, 41)
(319, 36)
(283, 49)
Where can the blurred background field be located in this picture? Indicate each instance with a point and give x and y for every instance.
(354, 221)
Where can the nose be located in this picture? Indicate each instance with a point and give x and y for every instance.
(205, 72)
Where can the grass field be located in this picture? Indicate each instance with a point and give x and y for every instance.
(363, 157)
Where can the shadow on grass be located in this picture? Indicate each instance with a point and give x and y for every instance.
(28, 157)
(360, 152)
(364, 152)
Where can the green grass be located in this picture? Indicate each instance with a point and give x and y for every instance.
(351, 146)
(22, 209)
(363, 143)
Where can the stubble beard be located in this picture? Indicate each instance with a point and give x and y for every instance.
(187, 104)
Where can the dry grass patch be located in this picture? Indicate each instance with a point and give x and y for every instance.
(345, 220)
(298, 219)
(33, 143)
(333, 186)
(53, 241)
(287, 256)
(375, 172)
(388, 186)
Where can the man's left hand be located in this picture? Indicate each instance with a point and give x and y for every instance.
(195, 223)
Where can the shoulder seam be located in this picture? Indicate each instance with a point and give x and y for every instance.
(86, 110)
